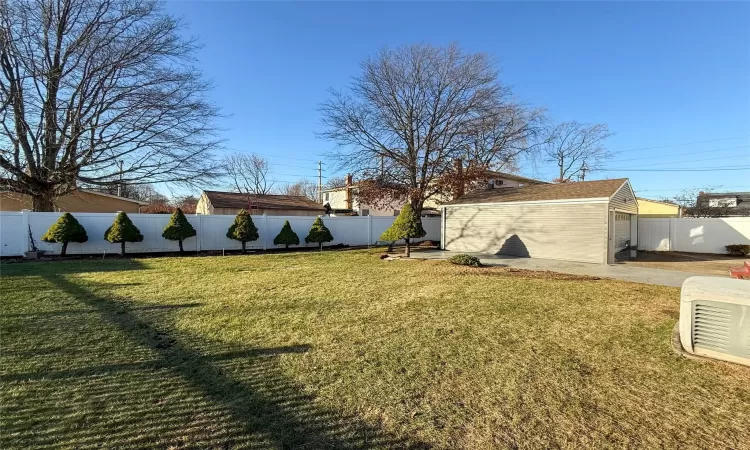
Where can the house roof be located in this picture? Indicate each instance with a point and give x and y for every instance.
(657, 201)
(724, 194)
(139, 202)
(542, 192)
(489, 174)
(510, 176)
(238, 200)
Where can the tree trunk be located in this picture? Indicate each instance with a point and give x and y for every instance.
(64, 248)
(181, 250)
(408, 248)
(43, 202)
(122, 248)
(243, 246)
(321, 246)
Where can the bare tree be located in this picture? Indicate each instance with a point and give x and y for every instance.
(577, 148)
(98, 92)
(335, 182)
(416, 109)
(248, 173)
(694, 204)
(302, 188)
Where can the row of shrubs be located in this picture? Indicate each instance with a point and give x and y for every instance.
(67, 229)
(738, 249)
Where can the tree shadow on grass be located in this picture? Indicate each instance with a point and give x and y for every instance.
(156, 391)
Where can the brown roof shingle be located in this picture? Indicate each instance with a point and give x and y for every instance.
(238, 200)
(540, 192)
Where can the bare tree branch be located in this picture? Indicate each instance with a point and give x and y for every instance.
(416, 109)
(90, 86)
(577, 148)
(248, 173)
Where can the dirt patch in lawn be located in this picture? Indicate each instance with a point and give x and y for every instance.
(708, 264)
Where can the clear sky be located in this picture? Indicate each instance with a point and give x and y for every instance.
(666, 77)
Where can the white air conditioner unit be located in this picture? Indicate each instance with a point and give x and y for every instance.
(715, 318)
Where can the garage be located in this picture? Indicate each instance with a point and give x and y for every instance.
(586, 221)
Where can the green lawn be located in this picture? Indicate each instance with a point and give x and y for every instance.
(343, 350)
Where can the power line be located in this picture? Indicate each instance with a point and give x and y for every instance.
(705, 169)
(691, 160)
(681, 154)
(681, 145)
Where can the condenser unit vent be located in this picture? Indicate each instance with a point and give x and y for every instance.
(715, 318)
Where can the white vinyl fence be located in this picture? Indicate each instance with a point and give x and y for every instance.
(692, 235)
(212, 230)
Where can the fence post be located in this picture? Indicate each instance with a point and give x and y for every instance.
(198, 244)
(672, 234)
(369, 231)
(25, 217)
(265, 231)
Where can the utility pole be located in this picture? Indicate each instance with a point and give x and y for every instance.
(119, 185)
(584, 169)
(320, 181)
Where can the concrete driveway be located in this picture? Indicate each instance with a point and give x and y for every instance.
(617, 271)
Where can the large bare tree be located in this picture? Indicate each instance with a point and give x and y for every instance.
(302, 188)
(416, 109)
(248, 173)
(577, 148)
(98, 92)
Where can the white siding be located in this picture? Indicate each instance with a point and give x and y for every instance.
(567, 231)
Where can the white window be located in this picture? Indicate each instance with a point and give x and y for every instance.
(722, 202)
(326, 196)
(365, 212)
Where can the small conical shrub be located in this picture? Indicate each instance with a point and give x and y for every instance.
(319, 233)
(407, 226)
(286, 236)
(178, 228)
(122, 231)
(243, 229)
(66, 229)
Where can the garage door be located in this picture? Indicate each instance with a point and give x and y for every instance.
(568, 231)
(622, 231)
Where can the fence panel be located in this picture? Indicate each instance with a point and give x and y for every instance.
(13, 234)
(355, 231)
(703, 235)
(653, 234)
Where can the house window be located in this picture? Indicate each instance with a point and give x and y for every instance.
(722, 202)
(365, 212)
(325, 196)
(396, 212)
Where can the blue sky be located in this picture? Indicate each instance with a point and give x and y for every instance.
(667, 75)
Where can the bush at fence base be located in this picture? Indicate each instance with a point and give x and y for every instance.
(738, 249)
(463, 259)
(287, 236)
(243, 229)
(178, 229)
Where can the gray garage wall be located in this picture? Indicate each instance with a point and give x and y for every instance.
(567, 231)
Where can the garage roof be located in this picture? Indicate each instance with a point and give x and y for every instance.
(237, 200)
(542, 192)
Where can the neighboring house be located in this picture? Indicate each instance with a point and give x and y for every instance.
(344, 200)
(588, 221)
(230, 203)
(732, 202)
(82, 200)
(657, 209)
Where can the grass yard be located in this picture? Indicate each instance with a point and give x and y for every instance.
(342, 350)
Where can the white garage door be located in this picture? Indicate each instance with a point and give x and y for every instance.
(622, 231)
(574, 232)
